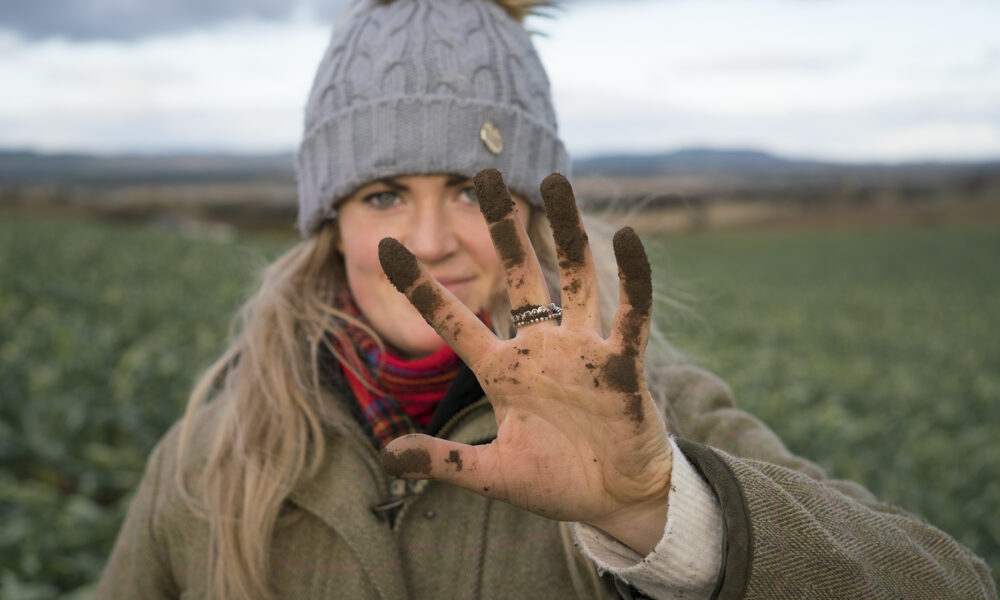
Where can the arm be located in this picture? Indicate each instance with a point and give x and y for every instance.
(138, 566)
(793, 533)
(789, 531)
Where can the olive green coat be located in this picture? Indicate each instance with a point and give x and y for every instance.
(789, 532)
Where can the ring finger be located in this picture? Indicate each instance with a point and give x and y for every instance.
(525, 283)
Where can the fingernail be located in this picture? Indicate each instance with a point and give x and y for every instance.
(563, 215)
(494, 199)
(411, 460)
(634, 265)
(398, 263)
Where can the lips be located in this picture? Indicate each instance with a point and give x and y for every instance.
(455, 285)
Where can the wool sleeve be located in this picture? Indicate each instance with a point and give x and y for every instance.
(138, 566)
(793, 533)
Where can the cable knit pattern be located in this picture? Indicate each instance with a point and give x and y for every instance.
(405, 88)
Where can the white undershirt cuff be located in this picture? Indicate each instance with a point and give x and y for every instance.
(686, 561)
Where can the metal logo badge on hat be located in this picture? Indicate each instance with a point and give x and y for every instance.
(491, 137)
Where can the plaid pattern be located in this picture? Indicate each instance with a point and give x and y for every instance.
(400, 395)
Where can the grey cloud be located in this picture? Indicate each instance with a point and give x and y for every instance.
(887, 131)
(82, 20)
(134, 19)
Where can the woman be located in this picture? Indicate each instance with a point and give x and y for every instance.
(406, 411)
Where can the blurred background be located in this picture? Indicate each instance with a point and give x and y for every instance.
(819, 182)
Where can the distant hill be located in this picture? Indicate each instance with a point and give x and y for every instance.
(691, 189)
(692, 160)
(23, 167)
(31, 167)
(704, 161)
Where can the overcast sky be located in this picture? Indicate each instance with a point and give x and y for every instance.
(836, 79)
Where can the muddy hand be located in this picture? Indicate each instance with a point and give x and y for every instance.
(579, 437)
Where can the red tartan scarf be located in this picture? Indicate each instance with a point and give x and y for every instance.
(406, 392)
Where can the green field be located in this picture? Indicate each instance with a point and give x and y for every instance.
(874, 353)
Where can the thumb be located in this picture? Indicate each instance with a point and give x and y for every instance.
(419, 456)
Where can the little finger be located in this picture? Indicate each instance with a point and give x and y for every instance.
(630, 328)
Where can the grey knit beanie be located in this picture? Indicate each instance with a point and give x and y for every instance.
(425, 86)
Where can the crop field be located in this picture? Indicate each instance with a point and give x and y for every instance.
(874, 353)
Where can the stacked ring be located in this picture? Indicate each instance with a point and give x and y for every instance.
(535, 314)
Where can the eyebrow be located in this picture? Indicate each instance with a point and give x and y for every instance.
(394, 184)
(456, 180)
(391, 183)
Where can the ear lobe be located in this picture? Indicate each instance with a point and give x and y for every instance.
(338, 240)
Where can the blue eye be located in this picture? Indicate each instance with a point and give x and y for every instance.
(469, 194)
(382, 199)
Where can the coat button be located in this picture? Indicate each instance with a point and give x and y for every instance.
(430, 514)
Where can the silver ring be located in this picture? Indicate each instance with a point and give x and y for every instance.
(535, 314)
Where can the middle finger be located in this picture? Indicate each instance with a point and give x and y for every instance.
(577, 278)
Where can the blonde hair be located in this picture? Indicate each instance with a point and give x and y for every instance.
(518, 10)
(270, 434)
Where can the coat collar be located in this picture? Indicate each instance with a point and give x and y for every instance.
(351, 481)
(341, 494)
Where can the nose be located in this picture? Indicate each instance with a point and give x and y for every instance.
(432, 237)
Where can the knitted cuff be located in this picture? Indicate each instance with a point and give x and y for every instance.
(685, 563)
(402, 135)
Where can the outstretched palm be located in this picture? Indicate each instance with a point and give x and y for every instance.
(579, 436)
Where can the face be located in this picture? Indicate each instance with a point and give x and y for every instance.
(437, 218)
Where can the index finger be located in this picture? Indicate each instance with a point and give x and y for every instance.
(451, 319)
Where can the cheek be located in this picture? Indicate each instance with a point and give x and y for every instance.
(364, 272)
(484, 253)
(479, 246)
